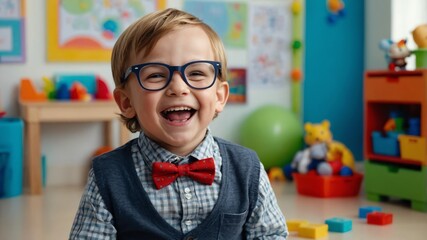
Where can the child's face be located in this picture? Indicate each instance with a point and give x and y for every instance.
(182, 131)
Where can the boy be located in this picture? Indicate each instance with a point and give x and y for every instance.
(170, 74)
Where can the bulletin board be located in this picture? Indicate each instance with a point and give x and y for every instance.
(262, 31)
(87, 30)
(12, 34)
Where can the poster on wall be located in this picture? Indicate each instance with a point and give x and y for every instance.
(237, 81)
(228, 19)
(12, 39)
(269, 49)
(87, 30)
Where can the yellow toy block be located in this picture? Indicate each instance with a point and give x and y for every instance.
(313, 230)
(294, 225)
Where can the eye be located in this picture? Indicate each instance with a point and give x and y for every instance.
(155, 77)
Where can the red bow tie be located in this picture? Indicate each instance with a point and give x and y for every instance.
(202, 171)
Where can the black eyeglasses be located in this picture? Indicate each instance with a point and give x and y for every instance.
(156, 76)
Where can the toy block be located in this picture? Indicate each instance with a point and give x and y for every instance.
(28, 92)
(62, 92)
(363, 211)
(294, 225)
(79, 92)
(102, 91)
(87, 80)
(313, 230)
(339, 224)
(379, 218)
(49, 87)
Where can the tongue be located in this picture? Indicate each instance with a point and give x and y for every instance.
(179, 116)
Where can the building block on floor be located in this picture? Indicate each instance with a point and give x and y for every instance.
(313, 230)
(379, 218)
(294, 224)
(363, 211)
(337, 224)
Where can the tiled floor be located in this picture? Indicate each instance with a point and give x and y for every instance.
(49, 216)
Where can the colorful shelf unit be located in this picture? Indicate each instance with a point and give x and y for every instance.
(385, 93)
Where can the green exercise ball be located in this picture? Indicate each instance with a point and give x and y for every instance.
(275, 133)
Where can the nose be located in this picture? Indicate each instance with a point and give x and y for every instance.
(177, 86)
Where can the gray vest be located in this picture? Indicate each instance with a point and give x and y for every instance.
(136, 218)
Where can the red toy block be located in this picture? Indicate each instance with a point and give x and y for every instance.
(102, 91)
(379, 218)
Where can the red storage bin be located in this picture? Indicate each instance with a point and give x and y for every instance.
(328, 186)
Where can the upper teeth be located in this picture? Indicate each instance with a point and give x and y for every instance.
(178, 109)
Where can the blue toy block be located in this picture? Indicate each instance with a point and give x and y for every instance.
(339, 224)
(363, 211)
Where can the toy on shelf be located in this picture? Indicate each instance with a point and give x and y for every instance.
(28, 92)
(83, 87)
(336, 9)
(395, 53)
(419, 35)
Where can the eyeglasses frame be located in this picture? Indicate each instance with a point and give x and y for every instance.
(172, 69)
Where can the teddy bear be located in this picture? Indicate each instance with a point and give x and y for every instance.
(323, 154)
(419, 35)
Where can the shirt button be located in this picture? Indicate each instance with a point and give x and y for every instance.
(187, 190)
(188, 196)
(188, 222)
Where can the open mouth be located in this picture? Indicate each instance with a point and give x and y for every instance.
(178, 114)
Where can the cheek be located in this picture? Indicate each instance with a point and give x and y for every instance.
(144, 103)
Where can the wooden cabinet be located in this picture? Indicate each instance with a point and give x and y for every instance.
(401, 173)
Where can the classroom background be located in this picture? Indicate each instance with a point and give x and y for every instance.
(323, 55)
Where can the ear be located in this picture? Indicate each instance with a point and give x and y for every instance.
(121, 96)
(307, 126)
(326, 124)
(222, 93)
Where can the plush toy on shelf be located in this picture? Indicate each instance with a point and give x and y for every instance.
(395, 53)
(323, 154)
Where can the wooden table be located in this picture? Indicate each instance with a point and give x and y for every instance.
(35, 113)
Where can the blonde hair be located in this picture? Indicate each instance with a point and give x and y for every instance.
(141, 37)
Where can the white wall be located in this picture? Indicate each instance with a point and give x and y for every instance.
(391, 19)
(68, 147)
(407, 15)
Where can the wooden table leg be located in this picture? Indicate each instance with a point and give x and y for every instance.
(33, 157)
(108, 137)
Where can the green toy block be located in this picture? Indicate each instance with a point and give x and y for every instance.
(384, 180)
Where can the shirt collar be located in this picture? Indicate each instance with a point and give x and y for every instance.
(152, 152)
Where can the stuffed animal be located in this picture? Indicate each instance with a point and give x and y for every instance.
(395, 53)
(420, 36)
(323, 154)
